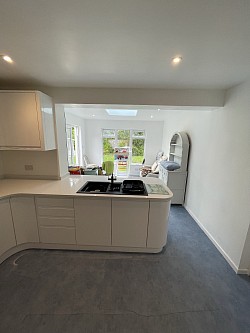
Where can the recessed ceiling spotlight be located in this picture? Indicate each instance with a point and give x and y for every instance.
(93, 115)
(7, 58)
(159, 109)
(176, 60)
(151, 116)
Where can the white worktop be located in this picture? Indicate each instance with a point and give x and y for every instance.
(69, 185)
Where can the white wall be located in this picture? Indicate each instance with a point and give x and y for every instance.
(78, 121)
(245, 258)
(134, 96)
(61, 139)
(218, 189)
(93, 130)
(1, 166)
(45, 164)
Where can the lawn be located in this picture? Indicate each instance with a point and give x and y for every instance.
(135, 159)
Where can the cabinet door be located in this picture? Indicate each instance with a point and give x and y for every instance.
(158, 223)
(24, 218)
(129, 222)
(7, 235)
(19, 120)
(93, 221)
(46, 109)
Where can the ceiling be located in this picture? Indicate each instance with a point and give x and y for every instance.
(144, 112)
(125, 43)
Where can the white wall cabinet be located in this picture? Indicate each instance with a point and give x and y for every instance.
(129, 222)
(24, 218)
(7, 235)
(26, 121)
(93, 221)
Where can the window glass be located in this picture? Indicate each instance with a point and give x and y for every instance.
(108, 145)
(134, 139)
(138, 133)
(123, 138)
(137, 150)
(108, 133)
(73, 145)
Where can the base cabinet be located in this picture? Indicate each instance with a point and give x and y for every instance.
(158, 224)
(57, 235)
(56, 220)
(24, 218)
(93, 221)
(129, 222)
(176, 181)
(7, 235)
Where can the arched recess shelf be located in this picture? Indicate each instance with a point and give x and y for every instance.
(176, 180)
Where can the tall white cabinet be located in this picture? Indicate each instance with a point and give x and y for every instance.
(176, 180)
(26, 121)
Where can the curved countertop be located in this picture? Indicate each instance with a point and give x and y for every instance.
(69, 185)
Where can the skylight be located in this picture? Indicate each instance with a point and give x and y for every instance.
(122, 112)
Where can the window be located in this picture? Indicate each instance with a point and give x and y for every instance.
(138, 146)
(73, 145)
(135, 139)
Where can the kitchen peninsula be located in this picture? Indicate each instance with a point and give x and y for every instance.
(50, 214)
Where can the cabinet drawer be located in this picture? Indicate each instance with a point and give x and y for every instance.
(55, 212)
(55, 202)
(56, 221)
(57, 235)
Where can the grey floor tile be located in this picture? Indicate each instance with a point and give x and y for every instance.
(188, 287)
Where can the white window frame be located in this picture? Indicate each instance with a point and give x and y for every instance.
(137, 137)
(131, 137)
(70, 145)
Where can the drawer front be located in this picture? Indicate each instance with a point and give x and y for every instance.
(55, 202)
(57, 235)
(55, 212)
(56, 221)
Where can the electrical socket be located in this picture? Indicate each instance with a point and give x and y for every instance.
(28, 167)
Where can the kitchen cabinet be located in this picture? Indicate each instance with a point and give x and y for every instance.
(7, 235)
(158, 224)
(24, 218)
(26, 121)
(93, 221)
(56, 220)
(129, 222)
(48, 214)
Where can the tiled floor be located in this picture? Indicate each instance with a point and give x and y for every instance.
(189, 287)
